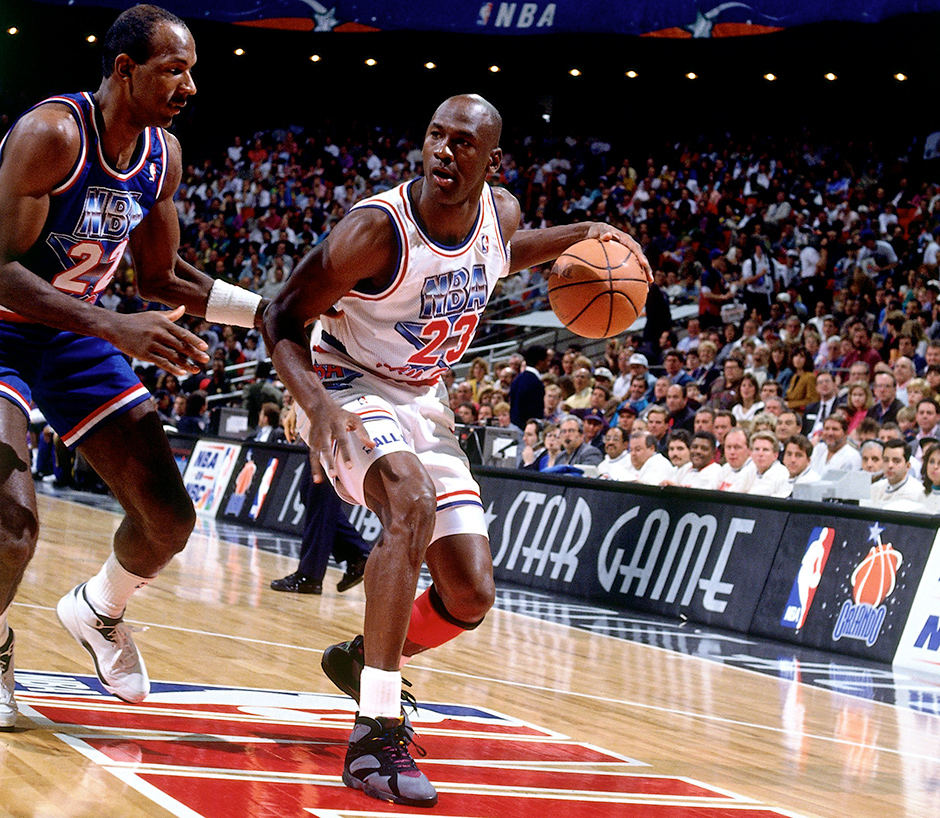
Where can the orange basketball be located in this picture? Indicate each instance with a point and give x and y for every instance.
(597, 288)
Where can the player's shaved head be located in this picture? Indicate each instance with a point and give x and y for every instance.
(478, 112)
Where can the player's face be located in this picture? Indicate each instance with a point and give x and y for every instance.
(160, 87)
(460, 150)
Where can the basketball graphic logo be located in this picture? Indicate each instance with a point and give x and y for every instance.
(874, 577)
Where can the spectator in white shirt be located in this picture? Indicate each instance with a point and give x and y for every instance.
(649, 466)
(705, 472)
(834, 450)
(872, 453)
(679, 455)
(772, 478)
(616, 464)
(796, 455)
(739, 470)
(899, 489)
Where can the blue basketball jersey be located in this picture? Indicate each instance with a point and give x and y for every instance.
(92, 212)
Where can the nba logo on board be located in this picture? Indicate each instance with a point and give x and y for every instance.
(808, 577)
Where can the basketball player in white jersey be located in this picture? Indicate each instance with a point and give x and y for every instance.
(400, 286)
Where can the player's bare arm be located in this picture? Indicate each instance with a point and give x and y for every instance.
(162, 275)
(359, 250)
(531, 247)
(39, 154)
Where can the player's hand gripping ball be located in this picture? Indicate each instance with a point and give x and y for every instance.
(597, 288)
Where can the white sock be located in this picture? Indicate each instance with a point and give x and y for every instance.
(108, 591)
(380, 693)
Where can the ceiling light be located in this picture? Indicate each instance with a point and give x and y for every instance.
(900, 77)
(575, 72)
(770, 77)
(370, 62)
(691, 76)
(632, 75)
(13, 30)
(430, 65)
(91, 38)
(239, 52)
(494, 69)
(830, 76)
(315, 58)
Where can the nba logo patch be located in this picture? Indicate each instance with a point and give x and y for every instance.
(808, 577)
(485, 243)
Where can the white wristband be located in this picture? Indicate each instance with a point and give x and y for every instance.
(233, 305)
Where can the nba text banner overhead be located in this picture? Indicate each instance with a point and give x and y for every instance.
(693, 19)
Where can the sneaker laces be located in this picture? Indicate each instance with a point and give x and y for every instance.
(396, 742)
(121, 635)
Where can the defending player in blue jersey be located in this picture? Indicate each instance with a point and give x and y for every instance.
(82, 177)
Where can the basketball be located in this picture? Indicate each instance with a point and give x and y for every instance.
(874, 578)
(597, 288)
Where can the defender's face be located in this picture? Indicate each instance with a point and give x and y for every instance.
(160, 87)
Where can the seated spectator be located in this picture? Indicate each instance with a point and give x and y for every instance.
(796, 456)
(899, 489)
(616, 464)
(553, 449)
(657, 424)
(594, 427)
(887, 406)
(575, 451)
(788, 424)
(193, 421)
(532, 448)
(872, 454)
(583, 385)
(501, 413)
(705, 472)
(466, 413)
(928, 424)
(724, 423)
(763, 422)
(801, 389)
(679, 455)
(858, 401)
(771, 478)
(930, 476)
(748, 404)
(739, 471)
(553, 411)
(704, 420)
(677, 404)
(269, 425)
(834, 450)
(648, 465)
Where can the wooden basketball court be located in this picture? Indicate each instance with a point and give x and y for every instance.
(597, 725)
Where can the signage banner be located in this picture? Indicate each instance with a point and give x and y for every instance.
(688, 19)
(257, 479)
(919, 646)
(207, 473)
(657, 551)
(843, 584)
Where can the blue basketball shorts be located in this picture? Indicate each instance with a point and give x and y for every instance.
(78, 382)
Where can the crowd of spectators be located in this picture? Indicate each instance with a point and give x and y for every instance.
(814, 270)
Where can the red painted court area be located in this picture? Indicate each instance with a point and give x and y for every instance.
(280, 755)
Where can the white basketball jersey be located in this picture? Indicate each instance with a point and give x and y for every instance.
(422, 322)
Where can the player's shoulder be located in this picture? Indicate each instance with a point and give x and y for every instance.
(44, 146)
(508, 210)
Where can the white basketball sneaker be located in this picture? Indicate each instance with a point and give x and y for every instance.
(118, 664)
(7, 702)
